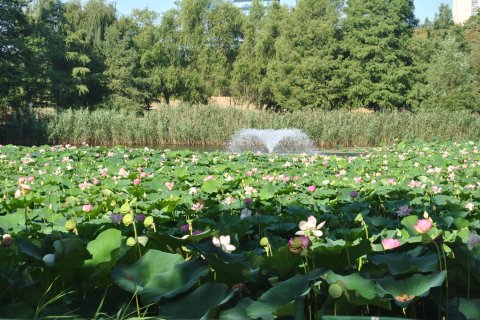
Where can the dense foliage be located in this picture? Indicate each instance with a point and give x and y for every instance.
(214, 126)
(112, 232)
(322, 54)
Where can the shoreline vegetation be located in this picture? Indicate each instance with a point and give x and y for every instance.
(214, 126)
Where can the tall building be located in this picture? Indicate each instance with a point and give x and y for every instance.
(246, 4)
(464, 9)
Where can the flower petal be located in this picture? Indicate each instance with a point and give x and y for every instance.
(229, 248)
(317, 233)
(303, 225)
(225, 240)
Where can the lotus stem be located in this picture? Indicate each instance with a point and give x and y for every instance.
(136, 240)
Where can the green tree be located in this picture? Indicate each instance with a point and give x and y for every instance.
(163, 62)
(443, 18)
(14, 53)
(262, 28)
(123, 64)
(305, 69)
(377, 67)
(85, 31)
(450, 81)
(224, 25)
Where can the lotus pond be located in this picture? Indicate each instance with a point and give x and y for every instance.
(95, 232)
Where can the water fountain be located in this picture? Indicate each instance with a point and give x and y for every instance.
(270, 140)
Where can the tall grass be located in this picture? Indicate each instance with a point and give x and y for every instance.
(207, 125)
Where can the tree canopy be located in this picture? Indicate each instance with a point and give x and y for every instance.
(320, 54)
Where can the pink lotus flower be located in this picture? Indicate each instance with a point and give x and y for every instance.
(137, 181)
(224, 243)
(84, 185)
(249, 190)
(87, 208)
(423, 225)
(469, 206)
(436, 189)
(312, 188)
(357, 179)
(390, 243)
(310, 227)
(197, 206)
(415, 184)
(391, 182)
(31, 179)
(169, 185)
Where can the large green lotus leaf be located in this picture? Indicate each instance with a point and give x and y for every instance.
(238, 312)
(337, 254)
(402, 263)
(70, 252)
(268, 191)
(19, 310)
(203, 303)
(13, 222)
(282, 263)
(282, 294)
(442, 200)
(409, 223)
(469, 309)
(405, 290)
(355, 282)
(211, 186)
(159, 275)
(27, 247)
(167, 242)
(360, 318)
(103, 247)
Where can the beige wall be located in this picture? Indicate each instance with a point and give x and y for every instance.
(462, 10)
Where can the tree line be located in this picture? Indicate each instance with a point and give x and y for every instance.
(321, 54)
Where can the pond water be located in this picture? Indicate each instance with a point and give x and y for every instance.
(346, 152)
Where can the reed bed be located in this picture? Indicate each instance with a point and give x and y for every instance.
(208, 125)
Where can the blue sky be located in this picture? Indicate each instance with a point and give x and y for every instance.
(424, 8)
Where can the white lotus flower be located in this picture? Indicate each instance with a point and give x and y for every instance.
(224, 243)
(246, 213)
(310, 227)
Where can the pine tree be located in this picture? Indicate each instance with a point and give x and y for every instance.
(14, 52)
(304, 71)
(377, 68)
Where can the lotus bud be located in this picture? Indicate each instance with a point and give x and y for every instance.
(70, 224)
(148, 221)
(131, 242)
(25, 189)
(127, 219)
(264, 242)
(49, 259)
(7, 240)
(335, 290)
